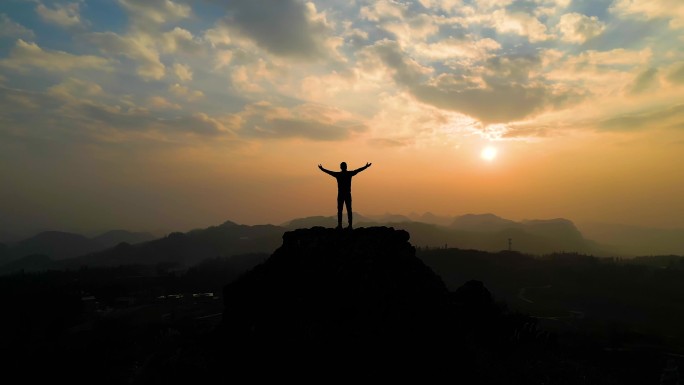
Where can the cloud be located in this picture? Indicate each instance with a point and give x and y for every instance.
(256, 76)
(306, 121)
(491, 4)
(243, 82)
(64, 115)
(355, 37)
(199, 124)
(9, 28)
(147, 13)
(282, 128)
(672, 10)
(676, 75)
(577, 28)
(549, 8)
(383, 10)
(506, 21)
(288, 28)
(495, 103)
(527, 130)
(404, 69)
(25, 55)
(663, 118)
(408, 26)
(508, 18)
(145, 40)
(502, 91)
(63, 15)
(400, 121)
(20, 101)
(218, 37)
(412, 29)
(468, 48)
(158, 102)
(222, 58)
(185, 93)
(447, 6)
(135, 120)
(183, 72)
(618, 59)
(136, 48)
(75, 89)
(519, 23)
(604, 75)
(345, 89)
(180, 40)
(391, 142)
(644, 81)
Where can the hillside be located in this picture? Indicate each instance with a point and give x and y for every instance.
(181, 250)
(59, 245)
(351, 288)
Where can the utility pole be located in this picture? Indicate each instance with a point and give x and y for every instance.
(510, 244)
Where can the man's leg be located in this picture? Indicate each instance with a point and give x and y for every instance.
(340, 202)
(348, 203)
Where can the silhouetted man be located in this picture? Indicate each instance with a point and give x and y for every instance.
(344, 179)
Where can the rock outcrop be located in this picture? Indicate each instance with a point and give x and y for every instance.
(339, 290)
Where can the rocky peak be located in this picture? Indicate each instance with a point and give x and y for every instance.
(361, 287)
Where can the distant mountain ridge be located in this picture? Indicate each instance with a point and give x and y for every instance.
(483, 222)
(487, 232)
(114, 237)
(176, 250)
(187, 249)
(7, 237)
(59, 245)
(629, 240)
(55, 244)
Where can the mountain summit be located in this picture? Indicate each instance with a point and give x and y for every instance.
(338, 291)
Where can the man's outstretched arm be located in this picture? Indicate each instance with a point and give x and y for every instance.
(326, 171)
(362, 168)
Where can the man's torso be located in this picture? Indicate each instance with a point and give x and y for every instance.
(344, 179)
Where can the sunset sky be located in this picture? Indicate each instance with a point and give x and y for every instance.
(170, 115)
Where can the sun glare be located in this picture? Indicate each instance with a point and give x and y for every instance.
(488, 153)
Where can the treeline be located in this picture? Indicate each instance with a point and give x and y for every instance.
(644, 295)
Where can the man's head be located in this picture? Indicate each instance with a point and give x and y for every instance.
(343, 166)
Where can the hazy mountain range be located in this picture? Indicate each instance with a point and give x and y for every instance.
(478, 231)
(49, 250)
(61, 245)
(488, 232)
(636, 240)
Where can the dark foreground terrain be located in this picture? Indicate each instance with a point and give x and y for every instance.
(333, 303)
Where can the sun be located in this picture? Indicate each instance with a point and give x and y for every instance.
(489, 153)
